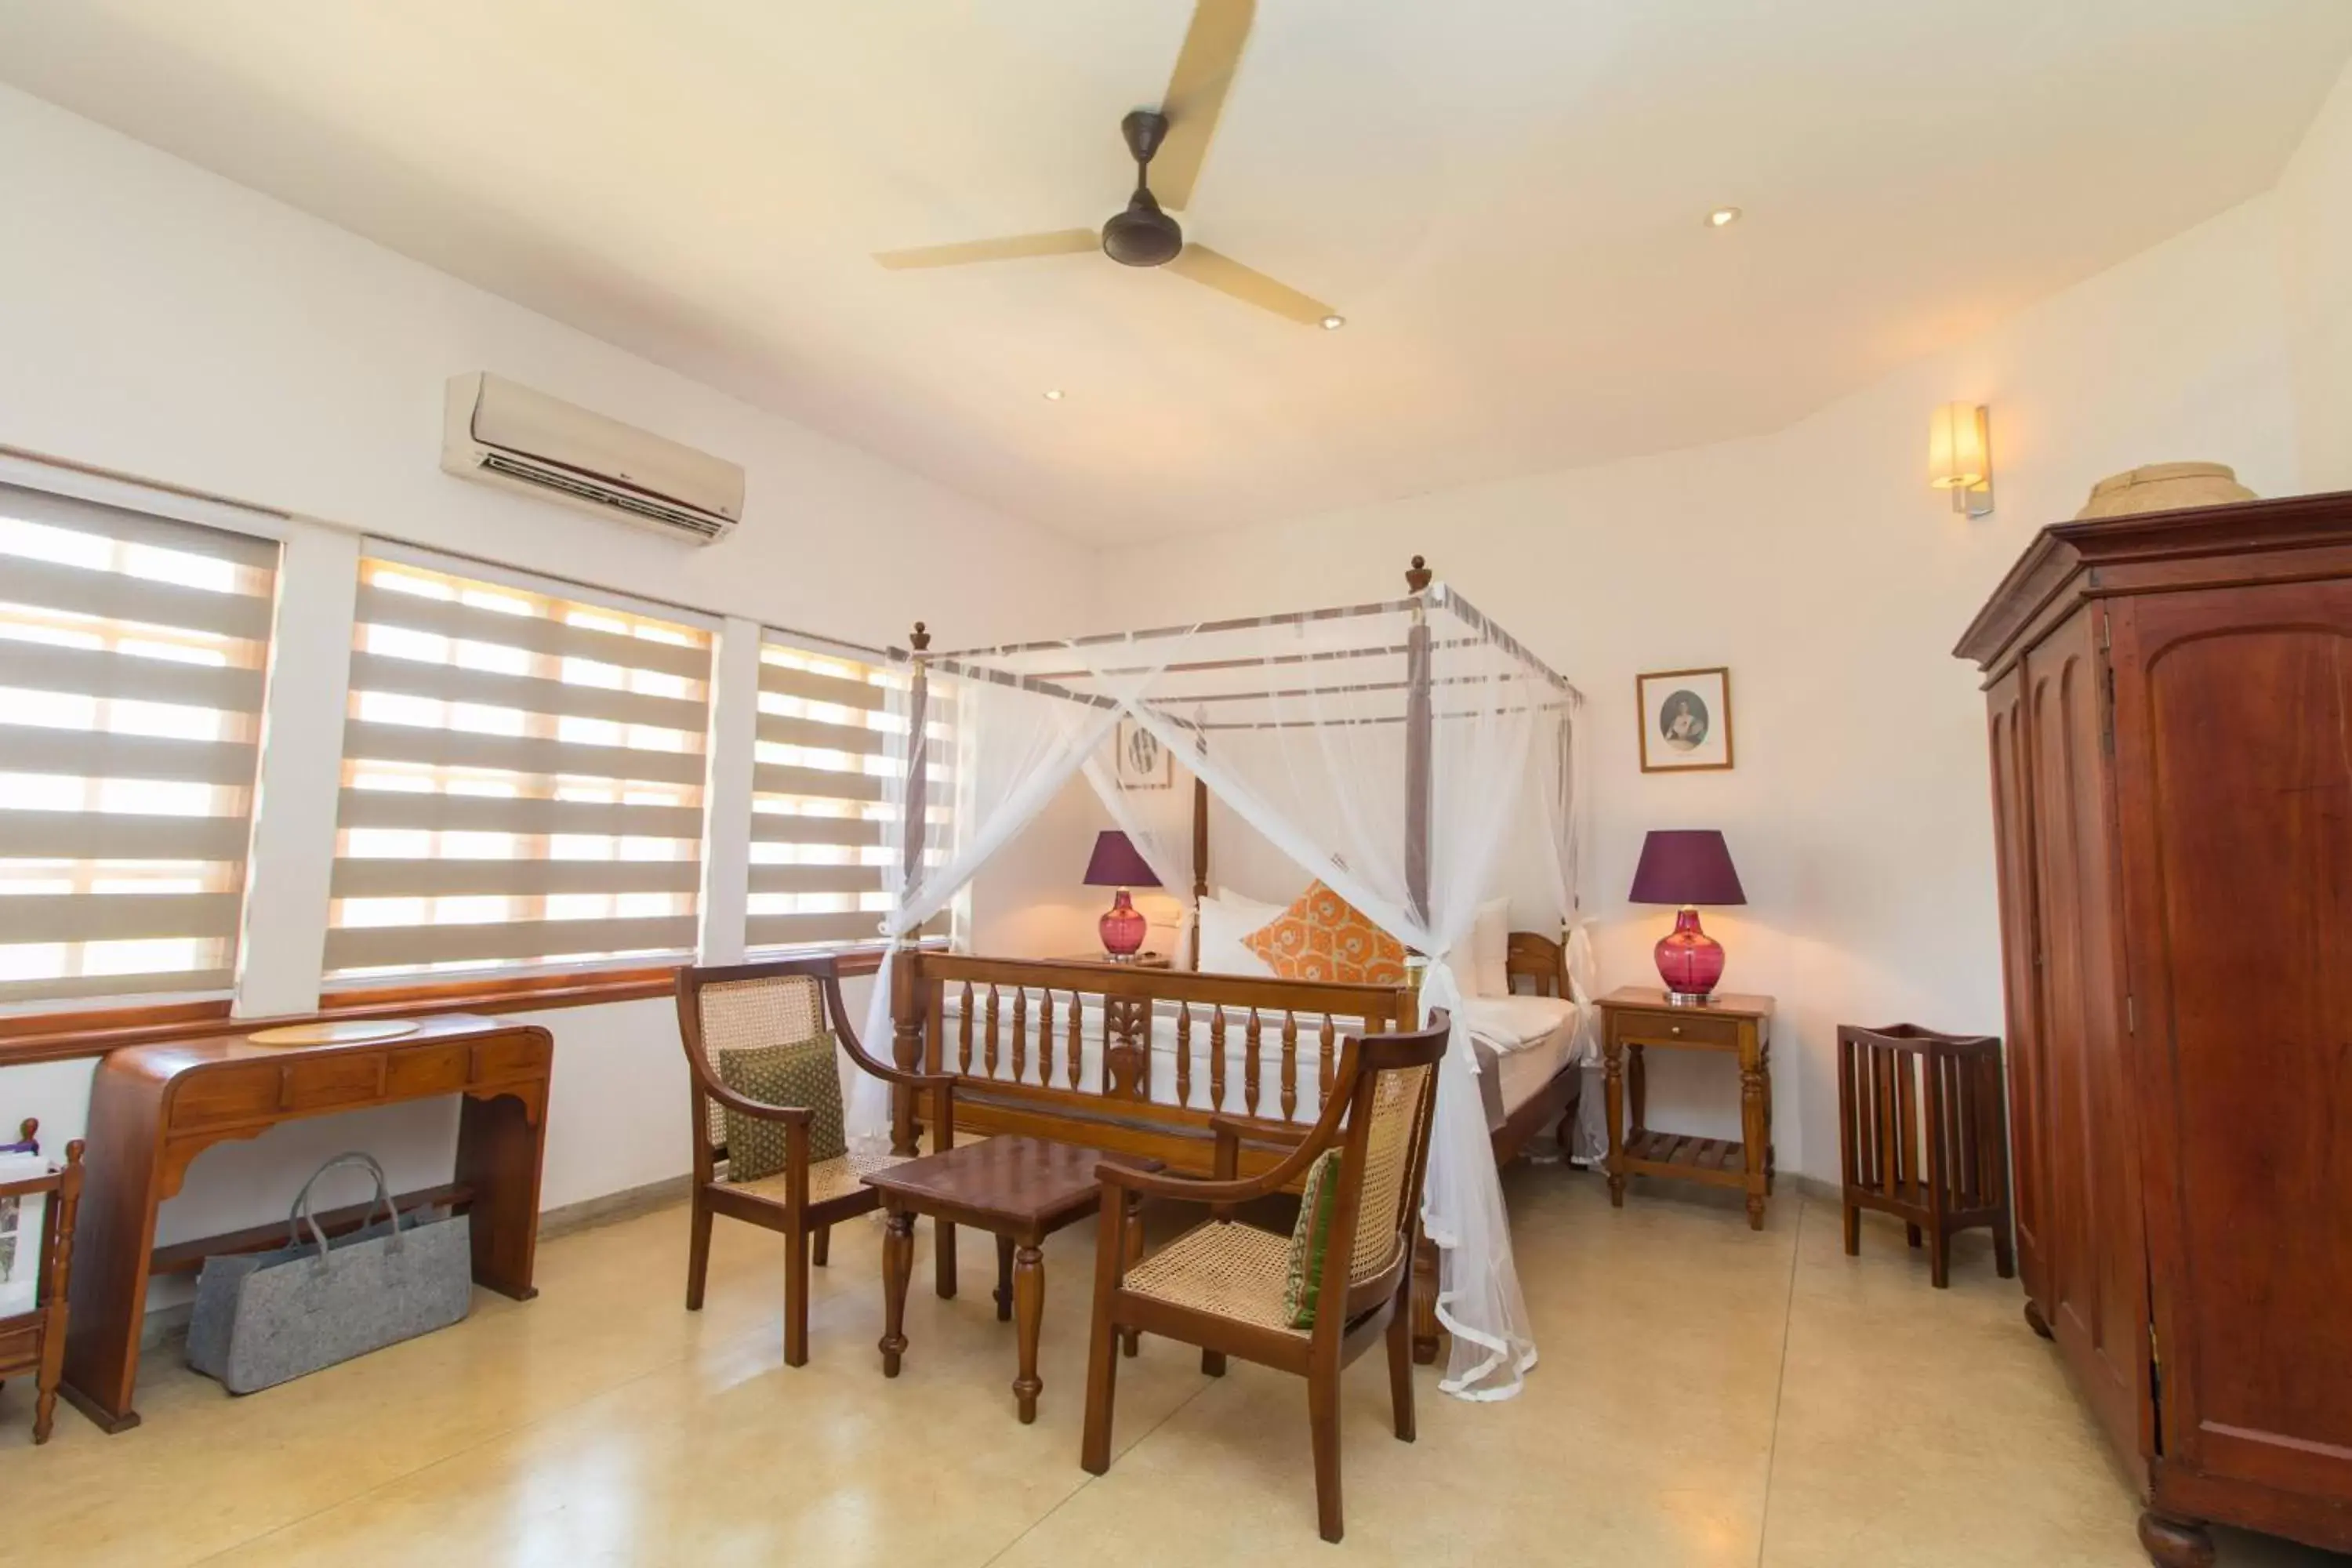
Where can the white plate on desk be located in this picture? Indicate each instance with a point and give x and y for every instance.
(337, 1032)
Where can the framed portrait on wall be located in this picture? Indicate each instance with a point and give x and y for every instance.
(1685, 720)
(1142, 762)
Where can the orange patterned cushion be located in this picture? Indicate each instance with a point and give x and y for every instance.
(1322, 936)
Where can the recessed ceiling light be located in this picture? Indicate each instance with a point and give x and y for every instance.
(1723, 218)
(1333, 323)
(1053, 395)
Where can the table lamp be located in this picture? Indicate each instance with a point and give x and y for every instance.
(1687, 868)
(1115, 864)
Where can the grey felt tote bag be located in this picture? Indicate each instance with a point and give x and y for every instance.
(264, 1318)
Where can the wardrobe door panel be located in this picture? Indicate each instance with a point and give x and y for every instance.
(2234, 737)
(2021, 960)
(2097, 1301)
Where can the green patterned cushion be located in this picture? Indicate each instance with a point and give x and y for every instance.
(804, 1074)
(1318, 1201)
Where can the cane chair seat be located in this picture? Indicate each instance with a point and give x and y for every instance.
(827, 1179)
(1222, 1268)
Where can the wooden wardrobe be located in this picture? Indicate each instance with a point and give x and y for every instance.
(2171, 737)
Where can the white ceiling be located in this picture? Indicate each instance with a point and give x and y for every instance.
(1506, 197)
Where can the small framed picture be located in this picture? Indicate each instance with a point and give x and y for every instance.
(1685, 720)
(1142, 762)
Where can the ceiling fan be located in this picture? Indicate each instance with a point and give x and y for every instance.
(1175, 137)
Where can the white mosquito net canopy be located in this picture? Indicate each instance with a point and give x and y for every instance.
(1396, 751)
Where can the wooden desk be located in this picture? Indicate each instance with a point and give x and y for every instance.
(153, 1109)
(1637, 1018)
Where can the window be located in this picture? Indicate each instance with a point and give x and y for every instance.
(821, 833)
(522, 779)
(132, 658)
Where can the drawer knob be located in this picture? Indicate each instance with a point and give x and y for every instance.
(1674, 1028)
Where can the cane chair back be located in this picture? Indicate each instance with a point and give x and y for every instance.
(740, 1015)
(1398, 1102)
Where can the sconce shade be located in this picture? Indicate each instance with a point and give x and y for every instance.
(1115, 864)
(1956, 448)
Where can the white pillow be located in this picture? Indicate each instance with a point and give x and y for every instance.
(1490, 946)
(1225, 922)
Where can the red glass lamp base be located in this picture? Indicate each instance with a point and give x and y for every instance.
(1689, 961)
(1123, 927)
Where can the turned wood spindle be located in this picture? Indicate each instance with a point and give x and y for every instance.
(988, 1031)
(963, 1033)
(1289, 1065)
(1184, 1053)
(1021, 1033)
(1217, 1057)
(1251, 1075)
(1046, 1037)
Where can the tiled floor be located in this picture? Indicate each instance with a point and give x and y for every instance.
(1707, 1396)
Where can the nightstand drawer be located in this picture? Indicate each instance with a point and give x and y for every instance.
(1676, 1026)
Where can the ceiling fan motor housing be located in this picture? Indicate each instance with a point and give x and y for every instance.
(1142, 235)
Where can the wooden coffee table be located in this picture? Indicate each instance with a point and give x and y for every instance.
(1021, 1190)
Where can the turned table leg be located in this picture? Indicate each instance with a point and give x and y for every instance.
(1613, 1082)
(1755, 1130)
(897, 1266)
(1028, 1308)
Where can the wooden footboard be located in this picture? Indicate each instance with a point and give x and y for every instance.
(1137, 1060)
(1130, 1059)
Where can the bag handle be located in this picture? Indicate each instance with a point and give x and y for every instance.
(302, 1214)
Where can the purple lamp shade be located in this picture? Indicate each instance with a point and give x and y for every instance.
(1115, 864)
(1684, 865)
(1687, 866)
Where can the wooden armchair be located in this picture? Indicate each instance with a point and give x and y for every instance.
(1220, 1285)
(778, 1003)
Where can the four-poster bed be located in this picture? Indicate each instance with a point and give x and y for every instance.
(1381, 753)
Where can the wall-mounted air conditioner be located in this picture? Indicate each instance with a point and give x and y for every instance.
(503, 433)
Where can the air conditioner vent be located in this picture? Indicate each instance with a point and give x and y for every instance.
(573, 485)
(502, 432)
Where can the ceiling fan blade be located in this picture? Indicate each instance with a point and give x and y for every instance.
(1227, 276)
(1011, 248)
(1196, 95)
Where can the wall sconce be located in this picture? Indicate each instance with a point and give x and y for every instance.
(1960, 456)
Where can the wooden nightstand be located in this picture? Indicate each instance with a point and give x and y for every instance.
(1637, 1018)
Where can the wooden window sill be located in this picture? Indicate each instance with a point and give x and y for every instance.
(65, 1036)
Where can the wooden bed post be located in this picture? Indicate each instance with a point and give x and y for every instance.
(1200, 858)
(1417, 727)
(906, 1006)
(1416, 747)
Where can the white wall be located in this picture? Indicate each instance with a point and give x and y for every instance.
(161, 321)
(2315, 251)
(1817, 565)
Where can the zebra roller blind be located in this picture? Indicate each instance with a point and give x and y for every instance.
(821, 833)
(132, 651)
(522, 779)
